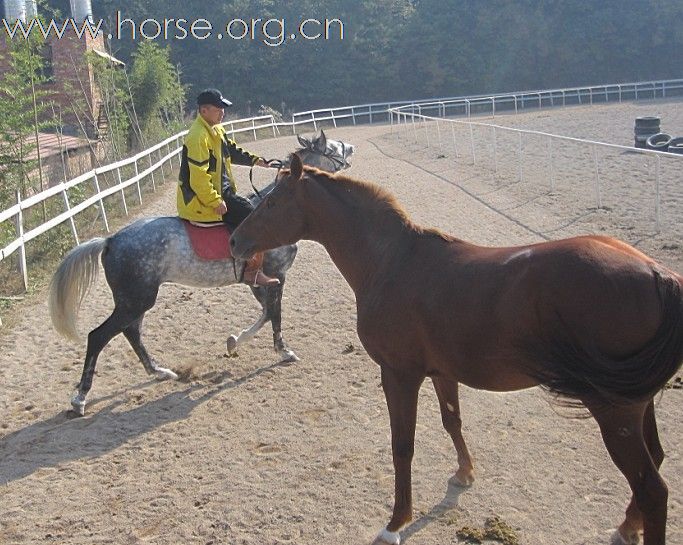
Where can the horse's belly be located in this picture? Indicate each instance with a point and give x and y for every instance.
(202, 273)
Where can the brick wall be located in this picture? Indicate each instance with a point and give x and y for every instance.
(73, 86)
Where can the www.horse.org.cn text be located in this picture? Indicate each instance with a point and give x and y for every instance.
(272, 31)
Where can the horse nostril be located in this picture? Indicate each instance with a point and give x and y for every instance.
(232, 242)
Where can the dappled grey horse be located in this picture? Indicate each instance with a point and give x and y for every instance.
(145, 254)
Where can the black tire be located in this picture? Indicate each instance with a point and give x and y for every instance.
(648, 122)
(676, 145)
(645, 131)
(658, 142)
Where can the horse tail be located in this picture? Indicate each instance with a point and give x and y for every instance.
(575, 372)
(71, 283)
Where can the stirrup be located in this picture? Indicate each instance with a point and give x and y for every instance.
(260, 280)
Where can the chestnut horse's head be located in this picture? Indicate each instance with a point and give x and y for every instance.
(278, 220)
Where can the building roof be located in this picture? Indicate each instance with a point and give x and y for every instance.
(110, 58)
(50, 145)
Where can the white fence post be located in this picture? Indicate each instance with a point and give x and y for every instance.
(123, 195)
(102, 210)
(22, 249)
(598, 193)
(520, 156)
(74, 232)
(137, 182)
(455, 147)
(474, 156)
(151, 172)
(495, 153)
(551, 165)
(658, 168)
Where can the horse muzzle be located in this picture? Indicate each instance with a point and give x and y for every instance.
(240, 247)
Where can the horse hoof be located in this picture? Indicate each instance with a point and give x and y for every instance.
(463, 478)
(619, 539)
(386, 537)
(231, 345)
(287, 356)
(161, 373)
(78, 404)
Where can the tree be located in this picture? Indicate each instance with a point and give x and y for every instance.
(20, 110)
(156, 92)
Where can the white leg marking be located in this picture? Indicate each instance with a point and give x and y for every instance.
(392, 538)
(78, 404)
(450, 407)
(161, 373)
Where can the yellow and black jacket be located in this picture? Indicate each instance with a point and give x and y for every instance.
(205, 170)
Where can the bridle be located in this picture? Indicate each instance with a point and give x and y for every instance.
(270, 162)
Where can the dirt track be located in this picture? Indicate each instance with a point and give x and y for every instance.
(246, 451)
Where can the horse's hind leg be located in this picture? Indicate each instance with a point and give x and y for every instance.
(633, 523)
(98, 338)
(133, 334)
(630, 440)
(447, 392)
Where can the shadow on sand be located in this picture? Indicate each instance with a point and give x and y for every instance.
(65, 437)
(447, 504)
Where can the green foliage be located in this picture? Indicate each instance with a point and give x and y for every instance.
(157, 94)
(404, 49)
(22, 102)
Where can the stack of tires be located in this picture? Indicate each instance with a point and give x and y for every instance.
(648, 136)
(676, 145)
(644, 129)
(658, 142)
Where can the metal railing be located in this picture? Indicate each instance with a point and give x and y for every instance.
(484, 149)
(144, 164)
(148, 162)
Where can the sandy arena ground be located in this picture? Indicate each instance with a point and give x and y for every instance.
(246, 451)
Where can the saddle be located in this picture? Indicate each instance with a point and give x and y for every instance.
(210, 241)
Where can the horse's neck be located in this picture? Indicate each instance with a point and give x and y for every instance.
(362, 243)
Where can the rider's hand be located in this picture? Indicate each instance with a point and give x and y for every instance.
(221, 208)
(262, 163)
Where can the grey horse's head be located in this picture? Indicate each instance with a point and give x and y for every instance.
(324, 153)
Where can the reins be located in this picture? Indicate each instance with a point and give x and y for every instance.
(270, 162)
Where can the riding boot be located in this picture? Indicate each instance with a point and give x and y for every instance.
(254, 275)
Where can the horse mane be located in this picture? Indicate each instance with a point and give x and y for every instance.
(379, 199)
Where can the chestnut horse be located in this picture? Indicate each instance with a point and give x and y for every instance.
(590, 319)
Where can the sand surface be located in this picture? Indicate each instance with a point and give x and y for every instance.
(248, 451)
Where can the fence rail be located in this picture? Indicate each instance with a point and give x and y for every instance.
(146, 163)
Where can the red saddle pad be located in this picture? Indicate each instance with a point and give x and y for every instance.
(209, 242)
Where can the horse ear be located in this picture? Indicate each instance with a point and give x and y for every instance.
(296, 167)
(321, 142)
(303, 141)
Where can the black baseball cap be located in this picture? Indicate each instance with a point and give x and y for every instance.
(213, 97)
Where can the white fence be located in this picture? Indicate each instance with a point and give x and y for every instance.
(147, 163)
(481, 142)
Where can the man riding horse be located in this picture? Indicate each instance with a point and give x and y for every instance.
(207, 193)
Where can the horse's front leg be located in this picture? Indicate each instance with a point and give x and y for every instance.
(401, 392)
(274, 311)
(234, 342)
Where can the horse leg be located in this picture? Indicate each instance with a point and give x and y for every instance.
(633, 523)
(401, 392)
(133, 334)
(98, 338)
(271, 302)
(274, 312)
(447, 392)
(623, 432)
